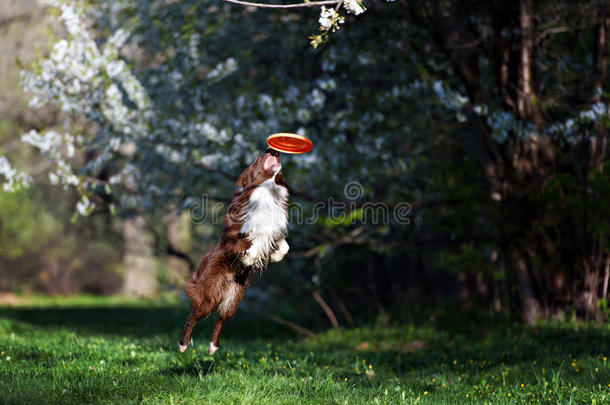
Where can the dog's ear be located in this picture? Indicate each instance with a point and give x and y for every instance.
(245, 178)
(248, 175)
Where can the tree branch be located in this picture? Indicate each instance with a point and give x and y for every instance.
(351, 238)
(346, 314)
(292, 5)
(559, 30)
(327, 310)
(14, 19)
(291, 325)
(182, 255)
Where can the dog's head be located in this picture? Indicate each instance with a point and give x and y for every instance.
(262, 169)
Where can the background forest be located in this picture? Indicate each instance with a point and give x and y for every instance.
(483, 122)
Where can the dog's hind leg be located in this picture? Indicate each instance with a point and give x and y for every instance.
(226, 309)
(191, 321)
(216, 335)
(200, 306)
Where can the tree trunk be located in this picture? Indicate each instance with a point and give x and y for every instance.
(138, 258)
(606, 279)
(530, 307)
(600, 52)
(465, 300)
(178, 261)
(589, 293)
(526, 99)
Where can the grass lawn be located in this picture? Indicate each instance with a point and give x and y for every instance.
(115, 351)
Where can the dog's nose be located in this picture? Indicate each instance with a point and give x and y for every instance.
(271, 151)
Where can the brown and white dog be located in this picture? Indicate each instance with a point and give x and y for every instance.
(254, 233)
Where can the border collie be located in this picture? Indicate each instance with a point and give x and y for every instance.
(254, 233)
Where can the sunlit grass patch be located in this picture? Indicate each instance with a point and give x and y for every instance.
(127, 353)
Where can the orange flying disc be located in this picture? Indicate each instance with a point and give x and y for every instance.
(289, 143)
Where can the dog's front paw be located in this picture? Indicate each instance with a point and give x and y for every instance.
(212, 348)
(276, 256)
(248, 259)
(281, 251)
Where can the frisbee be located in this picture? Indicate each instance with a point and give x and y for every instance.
(289, 143)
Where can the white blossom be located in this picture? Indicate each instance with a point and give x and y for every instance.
(303, 115)
(53, 178)
(114, 68)
(354, 7)
(5, 167)
(317, 98)
(118, 39)
(194, 41)
(13, 178)
(223, 69)
(325, 20)
(450, 99)
(266, 102)
(50, 141)
(114, 180)
(327, 85)
(329, 18)
(211, 160)
(83, 207)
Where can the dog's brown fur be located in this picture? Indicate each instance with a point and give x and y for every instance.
(221, 278)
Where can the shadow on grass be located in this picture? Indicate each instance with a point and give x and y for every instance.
(485, 350)
(198, 369)
(139, 322)
(448, 339)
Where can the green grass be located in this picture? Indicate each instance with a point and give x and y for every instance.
(117, 351)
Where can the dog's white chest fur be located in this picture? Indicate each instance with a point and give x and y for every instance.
(265, 220)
